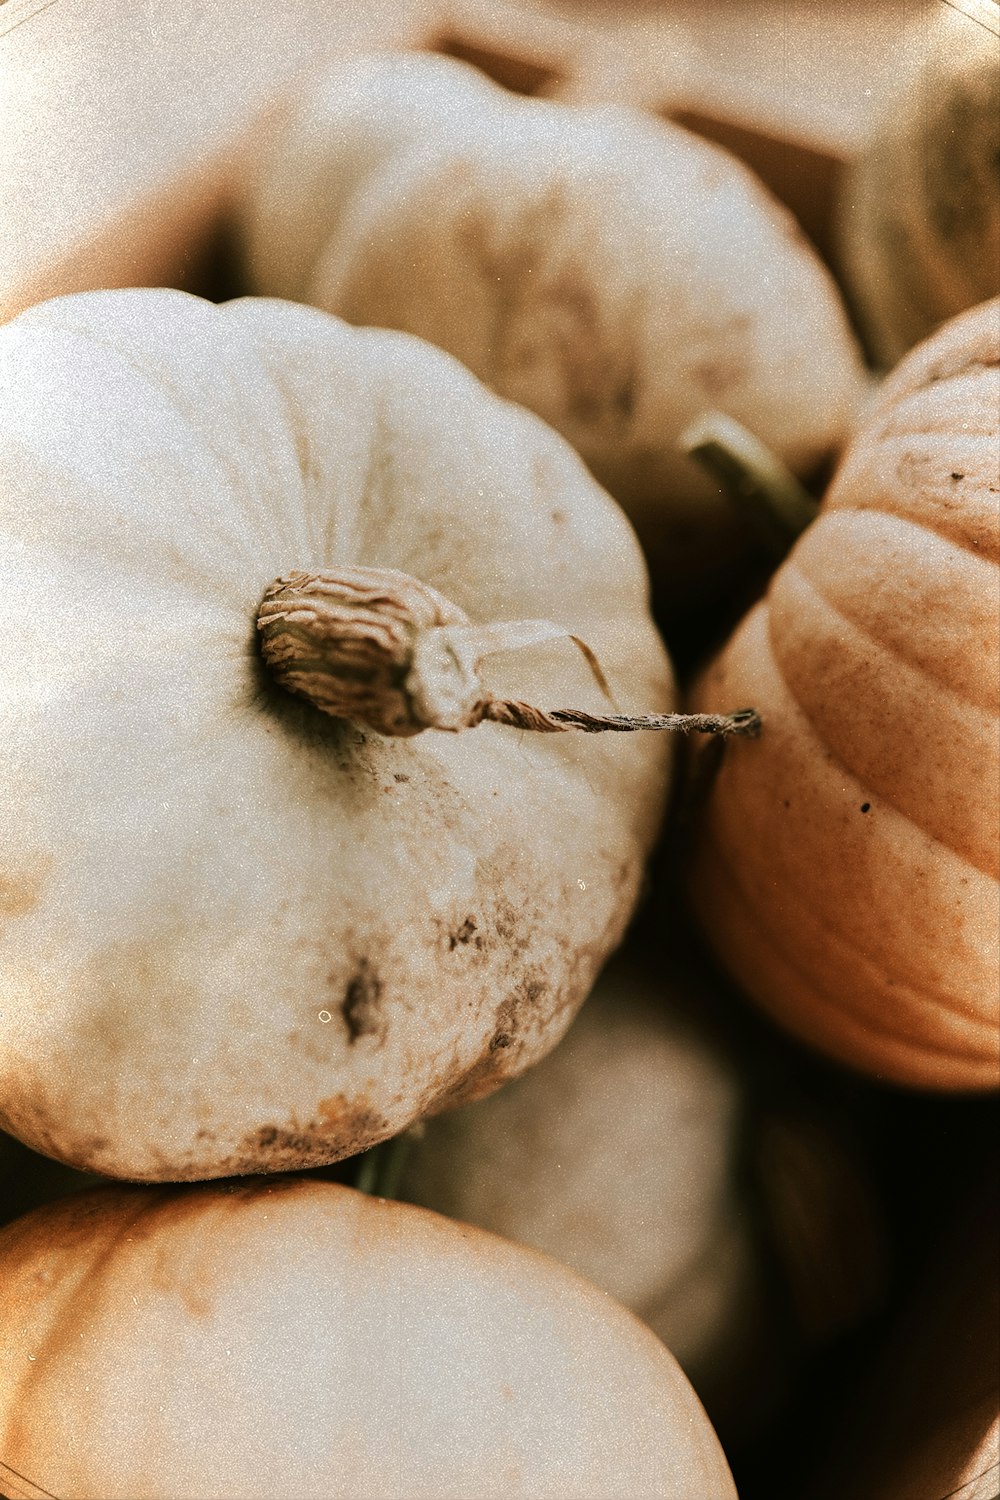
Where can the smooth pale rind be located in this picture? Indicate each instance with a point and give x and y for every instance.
(612, 272)
(920, 210)
(617, 1155)
(297, 1338)
(225, 919)
(847, 874)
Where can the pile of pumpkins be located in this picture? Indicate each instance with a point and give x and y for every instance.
(336, 739)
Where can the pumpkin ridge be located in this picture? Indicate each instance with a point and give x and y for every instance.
(170, 392)
(937, 819)
(938, 530)
(864, 786)
(854, 1033)
(840, 938)
(941, 685)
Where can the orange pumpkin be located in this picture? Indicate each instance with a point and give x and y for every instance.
(848, 861)
(277, 1336)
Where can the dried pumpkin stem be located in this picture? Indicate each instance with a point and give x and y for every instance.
(775, 503)
(383, 650)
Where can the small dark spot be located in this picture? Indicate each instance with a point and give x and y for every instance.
(463, 935)
(267, 1135)
(398, 776)
(958, 476)
(559, 517)
(531, 989)
(623, 395)
(786, 803)
(502, 1039)
(866, 807)
(360, 1005)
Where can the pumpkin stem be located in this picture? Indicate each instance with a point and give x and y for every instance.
(388, 652)
(764, 489)
(380, 1169)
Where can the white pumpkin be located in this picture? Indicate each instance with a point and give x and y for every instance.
(611, 271)
(920, 208)
(619, 1156)
(238, 934)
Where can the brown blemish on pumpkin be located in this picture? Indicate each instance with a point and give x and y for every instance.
(540, 279)
(343, 1128)
(360, 1006)
(21, 893)
(463, 935)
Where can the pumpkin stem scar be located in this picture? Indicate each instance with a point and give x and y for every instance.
(388, 652)
(763, 488)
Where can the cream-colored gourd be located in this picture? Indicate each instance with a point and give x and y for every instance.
(617, 1155)
(920, 209)
(233, 928)
(285, 1337)
(613, 272)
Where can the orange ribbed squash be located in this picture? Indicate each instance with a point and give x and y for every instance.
(280, 1336)
(847, 870)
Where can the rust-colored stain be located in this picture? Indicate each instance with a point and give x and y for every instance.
(20, 893)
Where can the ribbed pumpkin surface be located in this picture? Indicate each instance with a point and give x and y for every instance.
(849, 863)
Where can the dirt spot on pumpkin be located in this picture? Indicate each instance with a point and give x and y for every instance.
(361, 1005)
(463, 935)
(512, 1025)
(342, 1128)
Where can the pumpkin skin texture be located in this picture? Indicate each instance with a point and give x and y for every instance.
(228, 919)
(614, 273)
(846, 871)
(284, 1337)
(920, 214)
(644, 1201)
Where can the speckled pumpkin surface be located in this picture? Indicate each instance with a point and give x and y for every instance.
(283, 1337)
(236, 934)
(847, 872)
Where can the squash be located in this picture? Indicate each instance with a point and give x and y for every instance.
(285, 1337)
(618, 1155)
(238, 934)
(847, 860)
(609, 270)
(920, 209)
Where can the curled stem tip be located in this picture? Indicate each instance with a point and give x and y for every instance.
(390, 653)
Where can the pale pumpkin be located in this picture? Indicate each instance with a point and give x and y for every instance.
(284, 1337)
(619, 1156)
(847, 866)
(920, 208)
(608, 269)
(238, 934)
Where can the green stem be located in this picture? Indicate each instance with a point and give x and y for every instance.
(380, 1169)
(766, 491)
